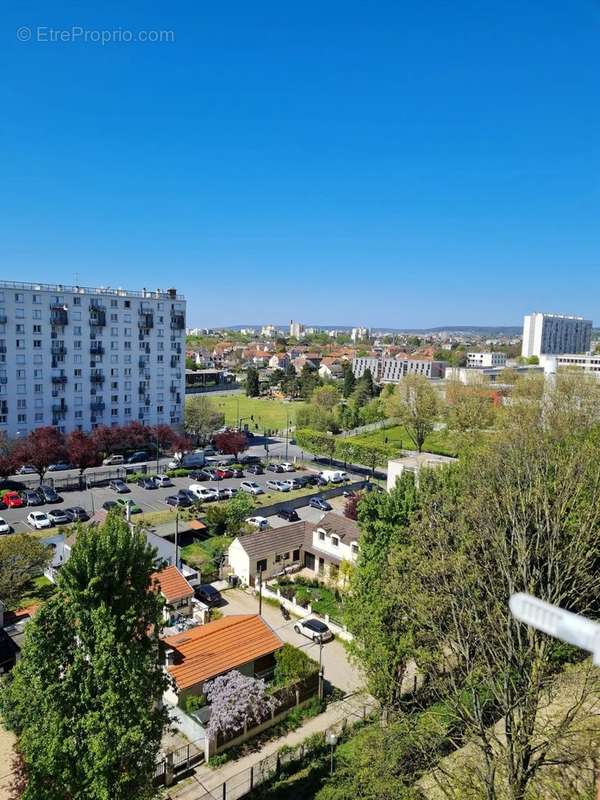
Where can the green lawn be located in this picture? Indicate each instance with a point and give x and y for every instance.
(268, 414)
(437, 442)
(39, 589)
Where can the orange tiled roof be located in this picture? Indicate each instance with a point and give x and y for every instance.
(11, 617)
(220, 646)
(171, 583)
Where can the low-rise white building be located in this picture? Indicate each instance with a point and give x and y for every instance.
(414, 462)
(486, 359)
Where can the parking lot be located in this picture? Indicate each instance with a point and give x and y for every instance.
(149, 499)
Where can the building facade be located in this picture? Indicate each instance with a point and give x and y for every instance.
(77, 357)
(392, 370)
(296, 329)
(554, 334)
(486, 359)
(588, 362)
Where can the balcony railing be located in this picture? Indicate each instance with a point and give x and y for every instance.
(97, 349)
(58, 350)
(59, 315)
(97, 317)
(96, 406)
(59, 408)
(146, 319)
(95, 377)
(177, 321)
(59, 379)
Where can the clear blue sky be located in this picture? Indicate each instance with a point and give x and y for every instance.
(386, 163)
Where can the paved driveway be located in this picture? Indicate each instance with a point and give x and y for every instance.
(338, 669)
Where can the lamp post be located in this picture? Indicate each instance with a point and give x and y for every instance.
(287, 434)
(89, 487)
(177, 538)
(331, 739)
(260, 592)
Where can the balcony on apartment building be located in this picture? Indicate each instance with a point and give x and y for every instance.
(177, 321)
(146, 319)
(59, 315)
(97, 406)
(97, 315)
(59, 380)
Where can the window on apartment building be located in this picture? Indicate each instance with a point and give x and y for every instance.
(321, 536)
(20, 328)
(127, 371)
(114, 317)
(160, 359)
(114, 398)
(21, 418)
(78, 387)
(114, 412)
(37, 328)
(114, 331)
(114, 303)
(77, 301)
(36, 298)
(19, 298)
(160, 332)
(160, 409)
(38, 388)
(127, 345)
(127, 360)
(77, 358)
(37, 344)
(21, 404)
(78, 401)
(127, 412)
(19, 313)
(114, 385)
(77, 373)
(296, 555)
(20, 344)
(127, 303)
(38, 402)
(127, 332)
(39, 416)
(77, 330)
(37, 314)
(79, 415)
(21, 374)
(126, 317)
(21, 388)
(77, 344)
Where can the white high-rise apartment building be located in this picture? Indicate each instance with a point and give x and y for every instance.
(358, 334)
(78, 358)
(553, 334)
(296, 329)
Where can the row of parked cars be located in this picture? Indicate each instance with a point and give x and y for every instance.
(30, 497)
(57, 516)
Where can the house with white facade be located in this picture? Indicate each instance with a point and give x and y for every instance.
(319, 547)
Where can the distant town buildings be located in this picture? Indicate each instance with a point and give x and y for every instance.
(269, 331)
(486, 359)
(77, 357)
(554, 334)
(359, 334)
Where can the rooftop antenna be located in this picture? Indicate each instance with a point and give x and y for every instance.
(571, 628)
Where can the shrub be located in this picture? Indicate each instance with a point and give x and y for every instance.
(292, 665)
(191, 703)
(303, 596)
(180, 472)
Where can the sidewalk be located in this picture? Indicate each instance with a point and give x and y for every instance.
(208, 783)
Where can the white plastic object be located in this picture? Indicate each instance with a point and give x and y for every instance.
(571, 628)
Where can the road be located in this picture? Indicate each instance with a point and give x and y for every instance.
(151, 499)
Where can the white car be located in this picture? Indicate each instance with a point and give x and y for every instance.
(112, 461)
(251, 487)
(287, 467)
(162, 481)
(39, 520)
(202, 493)
(4, 526)
(279, 486)
(262, 523)
(313, 629)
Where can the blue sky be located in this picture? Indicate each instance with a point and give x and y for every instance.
(391, 163)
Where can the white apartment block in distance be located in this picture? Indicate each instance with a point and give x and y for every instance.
(77, 357)
(554, 334)
(486, 359)
(296, 329)
(358, 334)
(392, 370)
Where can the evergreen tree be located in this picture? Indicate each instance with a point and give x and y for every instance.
(252, 384)
(349, 380)
(85, 697)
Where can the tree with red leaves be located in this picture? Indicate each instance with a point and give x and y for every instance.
(231, 442)
(83, 451)
(136, 436)
(351, 505)
(108, 439)
(42, 447)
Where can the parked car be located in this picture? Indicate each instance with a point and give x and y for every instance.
(274, 468)
(262, 523)
(255, 469)
(226, 493)
(26, 469)
(131, 504)
(13, 500)
(113, 461)
(199, 475)
(31, 497)
(210, 451)
(137, 457)
(321, 481)
(293, 483)
(251, 487)
(147, 483)
(57, 516)
(308, 480)
(189, 494)
(313, 629)
(39, 520)
(238, 472)
(162, 481)
(208, 595)
(77, 514)
(110, 504)
(177, 501)
(224, 472)
(288, 513)
(60, 466)
(2, 505)
(119, 486)
(213, 474)
(202, 493)
(188, 461)
(49, 494)
(278, 486)
(287, 467)
(320, 503)
(4, 526)
(334, 475)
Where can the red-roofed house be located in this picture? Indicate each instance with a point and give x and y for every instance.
(176, 590)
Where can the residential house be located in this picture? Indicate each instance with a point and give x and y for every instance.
(319, 547)
(330, 368)
(177, 592)
(242, 642)
(279, 361)
(12, 632)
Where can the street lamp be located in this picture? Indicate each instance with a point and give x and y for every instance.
(331, 739)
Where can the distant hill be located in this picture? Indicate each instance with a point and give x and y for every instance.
(482, 330)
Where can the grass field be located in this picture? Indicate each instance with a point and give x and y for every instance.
(268, 414)
(38, 590)
(437, 442)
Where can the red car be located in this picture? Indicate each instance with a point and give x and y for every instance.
(223, 472)
(13, 500)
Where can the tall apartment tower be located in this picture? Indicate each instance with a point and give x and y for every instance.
(296, 329)
(77, 358)
(553, 334)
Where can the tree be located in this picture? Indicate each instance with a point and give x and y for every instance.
(377, 609)
(252, 383)
(42, 447)
(190, 363)
(416, 405)
(108, 439)
(8, 463)
(373, 411)
(231, 442)
(135, 435)
(309, 380)
(325, 397)
(316, 442)
(237, 701)
(470, 408)
(21, 558)
(370, 454)
(201, 418)
(351, 505)
(293, 665)
(82, 451)
(276, 377)
(229, 518)
(349, 379)
(85, 697)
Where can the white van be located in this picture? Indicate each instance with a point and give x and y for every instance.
(334, 475)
